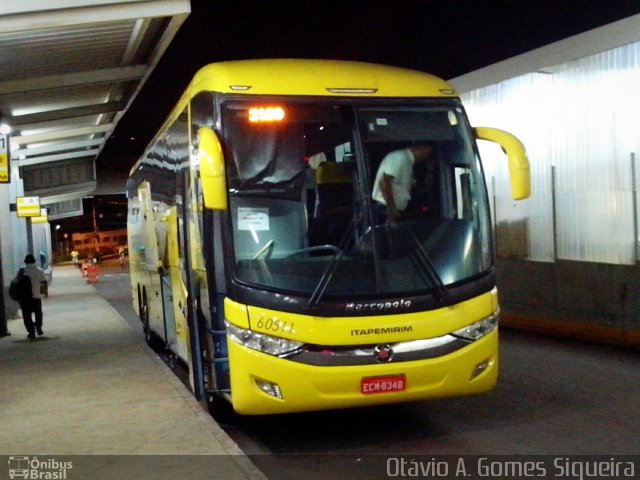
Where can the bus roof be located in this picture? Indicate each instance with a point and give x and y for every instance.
(317, 78)
(327, 78)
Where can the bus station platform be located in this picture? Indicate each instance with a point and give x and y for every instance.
(90, 390)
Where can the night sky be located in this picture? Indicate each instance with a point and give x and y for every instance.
(444, 37)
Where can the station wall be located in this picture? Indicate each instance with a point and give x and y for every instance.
(568, 256)
(590, 301)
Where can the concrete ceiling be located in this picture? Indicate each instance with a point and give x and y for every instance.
(69, 69)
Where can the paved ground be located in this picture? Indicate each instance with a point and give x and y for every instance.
(90, 386)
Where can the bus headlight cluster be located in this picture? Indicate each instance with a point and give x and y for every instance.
(261, 342)
(479, 329)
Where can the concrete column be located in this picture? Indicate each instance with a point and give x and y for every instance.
(13, 231)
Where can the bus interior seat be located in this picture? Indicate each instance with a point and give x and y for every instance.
(334, 202)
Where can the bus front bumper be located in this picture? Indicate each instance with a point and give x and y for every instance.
(263, 384)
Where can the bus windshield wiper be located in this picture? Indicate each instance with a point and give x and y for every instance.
(426, 266)
(327, 275)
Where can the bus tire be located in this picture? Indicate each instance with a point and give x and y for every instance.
(144, 318)
(221, 409)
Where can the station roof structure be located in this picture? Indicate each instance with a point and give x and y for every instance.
(68, 72)
(545, 59)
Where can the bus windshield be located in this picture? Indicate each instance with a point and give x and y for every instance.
(307, 220)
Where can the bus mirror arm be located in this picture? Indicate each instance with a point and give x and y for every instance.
(516, 156)
(211, 161)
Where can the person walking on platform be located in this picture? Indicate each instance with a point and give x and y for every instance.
(74, 256)
(33, 306)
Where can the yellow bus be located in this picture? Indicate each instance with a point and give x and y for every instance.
(258, 258)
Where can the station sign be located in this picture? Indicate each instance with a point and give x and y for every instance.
(28, 206)
(5, 169)
(42, 218)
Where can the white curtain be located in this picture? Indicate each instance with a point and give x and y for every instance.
(581, 125)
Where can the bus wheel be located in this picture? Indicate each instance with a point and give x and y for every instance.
(170, 359)
(144, 318)
(149, 336)
(221, 409)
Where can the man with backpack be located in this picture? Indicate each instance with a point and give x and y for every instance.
(31, 305)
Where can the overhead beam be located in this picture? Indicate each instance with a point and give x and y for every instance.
(65, 113)
(137, 35)
(25, 162)
(107, 75)
(12, 19)
(58, 134)
(78, 190)
(26, 6)
(56, 147)
(161, 45)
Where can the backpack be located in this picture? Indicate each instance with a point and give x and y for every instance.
(20, 287)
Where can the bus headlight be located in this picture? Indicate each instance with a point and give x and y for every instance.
(261, 342)
(479, 329)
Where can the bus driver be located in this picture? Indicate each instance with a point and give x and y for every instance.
(394, 181)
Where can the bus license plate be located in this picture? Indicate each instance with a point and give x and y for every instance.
(389, 384)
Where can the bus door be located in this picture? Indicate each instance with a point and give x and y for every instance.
(162, 231)
(173, 291)
(169, 316)
(204, 228)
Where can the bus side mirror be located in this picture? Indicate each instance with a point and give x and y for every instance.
(516, 156)
(214, 190)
